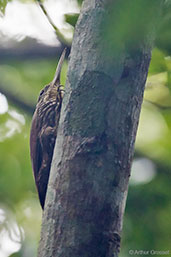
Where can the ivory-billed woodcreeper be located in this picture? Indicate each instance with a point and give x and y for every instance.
(44, 130)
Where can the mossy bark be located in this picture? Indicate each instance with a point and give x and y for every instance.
(95, 142)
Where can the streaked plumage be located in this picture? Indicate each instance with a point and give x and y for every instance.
(44, 130)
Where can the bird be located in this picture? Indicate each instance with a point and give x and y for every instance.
(43, 131)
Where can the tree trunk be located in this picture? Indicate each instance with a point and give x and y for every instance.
(90, 171)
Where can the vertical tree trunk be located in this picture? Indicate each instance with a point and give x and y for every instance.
(93, 153)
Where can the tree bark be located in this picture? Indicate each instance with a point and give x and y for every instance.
(92, 158)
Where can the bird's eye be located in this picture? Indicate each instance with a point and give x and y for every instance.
(41, 92)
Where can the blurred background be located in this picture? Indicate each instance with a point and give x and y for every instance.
(29, 50)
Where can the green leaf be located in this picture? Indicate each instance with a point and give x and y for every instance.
(71, 18)
(3, 4)
(79, 2)
(158, 63)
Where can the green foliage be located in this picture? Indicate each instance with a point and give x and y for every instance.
(147, 224)
(164, 36)
(146, 202)
(158, 87)
(18, 196)
(3, 4)
(80, 2)
(22, 78)
(133, 20)
(71, 18)
(147, 219)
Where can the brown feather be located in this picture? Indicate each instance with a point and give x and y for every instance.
(44, 130)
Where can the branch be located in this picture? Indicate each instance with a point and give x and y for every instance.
(30, 50)
(60, 36)
(18, 101)
(159, 106)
